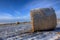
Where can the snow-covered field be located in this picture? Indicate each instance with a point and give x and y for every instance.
(13, 32)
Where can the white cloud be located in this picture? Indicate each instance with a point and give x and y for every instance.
(10, 17)
(31, 5)
(43, 4)
(58, 14)
(17, 13)
(7, 16)
(22, 17)
(58, 11)
(40, 4)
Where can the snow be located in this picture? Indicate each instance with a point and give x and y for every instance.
(13, 33)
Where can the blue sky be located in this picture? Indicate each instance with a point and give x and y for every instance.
(19, 10)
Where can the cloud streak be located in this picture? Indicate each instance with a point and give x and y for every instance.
(9, 17)
(44, 4)
(19, 14)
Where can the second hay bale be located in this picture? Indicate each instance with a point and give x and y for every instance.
(43, 19)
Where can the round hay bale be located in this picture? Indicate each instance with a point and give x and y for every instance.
(17, 22)
(43, 19)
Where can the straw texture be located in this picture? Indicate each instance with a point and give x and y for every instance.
(43, 19)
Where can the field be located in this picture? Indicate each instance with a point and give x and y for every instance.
(17, 32)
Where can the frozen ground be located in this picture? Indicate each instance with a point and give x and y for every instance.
(13, 32)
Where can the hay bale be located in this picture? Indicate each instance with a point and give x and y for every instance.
(17, 22)
(43, 19)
